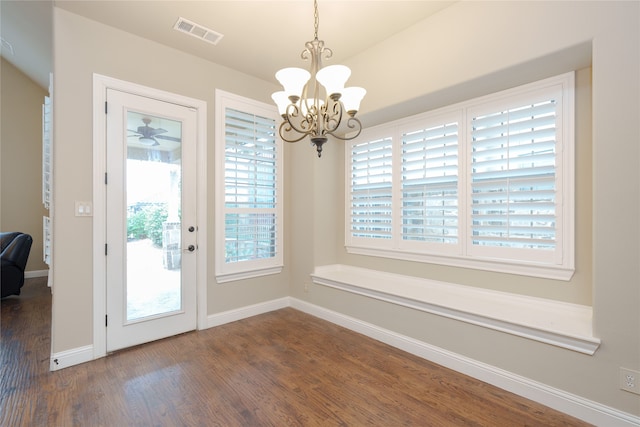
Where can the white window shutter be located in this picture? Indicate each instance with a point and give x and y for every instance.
(513, 177)
(250, 187)
(371, 190)
(430, 184)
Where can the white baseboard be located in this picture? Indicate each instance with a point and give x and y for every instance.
(35, 273)
(245, 312)
(576, 406)
(75, 356)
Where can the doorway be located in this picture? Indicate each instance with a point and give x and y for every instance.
(151, 271)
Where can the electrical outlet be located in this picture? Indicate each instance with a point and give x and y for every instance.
(630, 380)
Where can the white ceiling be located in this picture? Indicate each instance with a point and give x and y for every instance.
(259, 36)
(26, 27)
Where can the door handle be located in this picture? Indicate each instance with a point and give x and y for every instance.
(191, 248)
(192, 229)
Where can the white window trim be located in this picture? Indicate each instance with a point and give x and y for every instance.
(227, 272)
(562, 269)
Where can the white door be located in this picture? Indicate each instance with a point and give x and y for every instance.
(151, 219)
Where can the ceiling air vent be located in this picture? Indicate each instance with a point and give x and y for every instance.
(198, 31)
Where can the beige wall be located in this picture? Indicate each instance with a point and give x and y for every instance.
(464, 51)
(82, 48)
(21, 207)
(468, 50)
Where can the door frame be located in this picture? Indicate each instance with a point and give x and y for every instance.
(100, 85)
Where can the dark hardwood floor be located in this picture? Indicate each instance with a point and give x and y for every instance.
(283, 368)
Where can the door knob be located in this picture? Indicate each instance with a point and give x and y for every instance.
(192, 229)
(191, 248)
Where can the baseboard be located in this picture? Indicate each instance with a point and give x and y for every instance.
(576, 406)
(248, 311)
(75, 356)
(35, 273)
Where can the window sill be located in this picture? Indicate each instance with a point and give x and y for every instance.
(556, 323)
(522, 269)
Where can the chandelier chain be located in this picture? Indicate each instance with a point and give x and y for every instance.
(316, 19)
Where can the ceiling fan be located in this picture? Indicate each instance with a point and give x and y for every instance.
(149, 136)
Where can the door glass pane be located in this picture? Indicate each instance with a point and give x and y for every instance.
(153, 184)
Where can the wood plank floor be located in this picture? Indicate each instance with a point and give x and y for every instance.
(283, 368)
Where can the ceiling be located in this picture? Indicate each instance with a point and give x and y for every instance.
(259, 37)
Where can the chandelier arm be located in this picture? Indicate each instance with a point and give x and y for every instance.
(282, 132)
(292, 114)
(332, 113)
(352, 123)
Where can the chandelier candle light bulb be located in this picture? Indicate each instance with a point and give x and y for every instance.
(351, 98)
(315, 103)
(293, 79)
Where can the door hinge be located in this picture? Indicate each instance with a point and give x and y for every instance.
(105, 107)
(106, 320)
(105, 178)
(105, 249)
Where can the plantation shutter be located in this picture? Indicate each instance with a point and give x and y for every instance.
(250, 178)
(430, 184)
(371, 190)
(513, 177)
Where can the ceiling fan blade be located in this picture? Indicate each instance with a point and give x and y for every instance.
(168, 138)
(155, 132)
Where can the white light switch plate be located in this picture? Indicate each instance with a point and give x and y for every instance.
(84, 208)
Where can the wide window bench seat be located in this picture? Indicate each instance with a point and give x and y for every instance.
(557, 323)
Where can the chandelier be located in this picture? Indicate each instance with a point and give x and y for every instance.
(315, 103)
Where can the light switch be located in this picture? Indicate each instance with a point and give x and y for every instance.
(84, 208)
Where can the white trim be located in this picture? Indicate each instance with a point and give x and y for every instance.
(72, 357)
(568, 403)
(35, 273)
(557, 323)
(100, 85)
(248, 311)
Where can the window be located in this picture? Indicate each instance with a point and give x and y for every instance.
(485, 184)
(371, 191)
(248, 189)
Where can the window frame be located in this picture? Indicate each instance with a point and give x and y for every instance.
(232, 271)
(562, 264)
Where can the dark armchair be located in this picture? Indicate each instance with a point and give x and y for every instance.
(14, 252)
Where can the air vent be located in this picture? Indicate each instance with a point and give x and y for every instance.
(198, 31)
